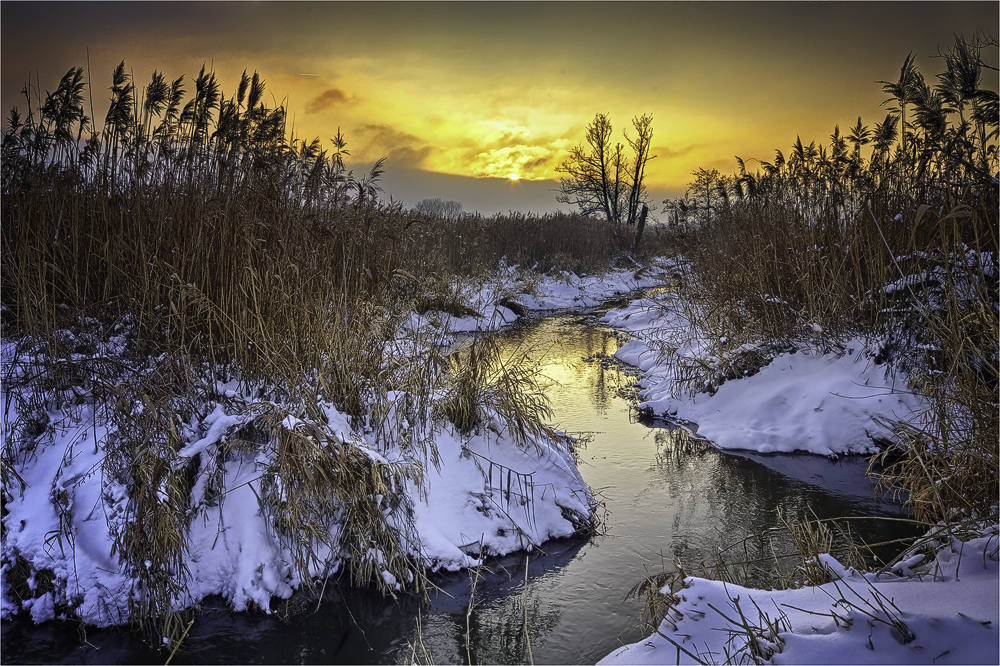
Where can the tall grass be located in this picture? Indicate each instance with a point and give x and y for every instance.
(189, 240)
(898, 246)
(552, 242)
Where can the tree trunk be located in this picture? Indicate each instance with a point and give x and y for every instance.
(638, 228)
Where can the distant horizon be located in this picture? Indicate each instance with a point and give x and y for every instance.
(479, 102)
(491, 195)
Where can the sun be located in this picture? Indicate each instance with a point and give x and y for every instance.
(514, 177)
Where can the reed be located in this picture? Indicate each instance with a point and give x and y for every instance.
(468, 244)
(897, 245)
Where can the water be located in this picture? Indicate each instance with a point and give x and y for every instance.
(666, 497)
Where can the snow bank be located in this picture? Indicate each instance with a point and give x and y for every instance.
(462, 496)
(828, 404)
(948, 615)
(484, 489)
(515, 288)
(569, 290)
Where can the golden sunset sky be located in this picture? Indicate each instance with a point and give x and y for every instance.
(463, 96)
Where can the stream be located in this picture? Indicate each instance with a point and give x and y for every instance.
(666, 497)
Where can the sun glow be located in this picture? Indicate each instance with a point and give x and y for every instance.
(514, 177)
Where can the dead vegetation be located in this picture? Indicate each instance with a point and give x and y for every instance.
(895, 244)
(188, 242)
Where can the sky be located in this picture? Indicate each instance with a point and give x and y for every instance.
(479, 102)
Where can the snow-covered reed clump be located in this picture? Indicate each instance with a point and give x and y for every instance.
(134, 490)
(939, 605)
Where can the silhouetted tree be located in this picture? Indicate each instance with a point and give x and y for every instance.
(601, 178)
(448, 210)
(707, 188)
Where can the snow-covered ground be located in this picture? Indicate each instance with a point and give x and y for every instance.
(462, 492)
(947, 614)
(823, 403)
(531, 292)
(483, 489)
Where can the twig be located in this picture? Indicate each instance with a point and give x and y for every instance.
(527, 637)
(678, 646)
(181, 640)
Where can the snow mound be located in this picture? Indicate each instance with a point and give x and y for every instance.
(823, 403)
(947, 616)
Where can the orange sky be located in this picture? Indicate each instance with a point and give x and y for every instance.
(460, 96)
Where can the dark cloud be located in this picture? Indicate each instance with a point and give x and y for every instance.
(402, 148)
(668, 153)
(539, 162)
(327, 99)
(383, 132)
(409, 156)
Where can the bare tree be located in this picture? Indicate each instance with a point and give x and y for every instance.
(600, 177)
(705, 188)
(640, 146)
(449, 210)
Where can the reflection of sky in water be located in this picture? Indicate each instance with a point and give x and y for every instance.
(668, 498)
(569, 364)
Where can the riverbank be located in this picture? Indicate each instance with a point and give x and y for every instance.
(240, 488)
(945, 612)
(823, 399)
(813, 398)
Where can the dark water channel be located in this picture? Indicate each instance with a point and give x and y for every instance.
(667, 498)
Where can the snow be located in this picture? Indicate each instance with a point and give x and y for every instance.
(559, 291)
(569, 290)
(948, 615)
(808, 401)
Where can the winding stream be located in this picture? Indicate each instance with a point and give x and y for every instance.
(667, 498)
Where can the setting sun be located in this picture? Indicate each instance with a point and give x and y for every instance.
(514, 177)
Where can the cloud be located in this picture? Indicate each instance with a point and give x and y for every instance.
(402, 148)
(409, 156)
(525, 161)
(670, 153)
(498, 133)
(327, 99)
